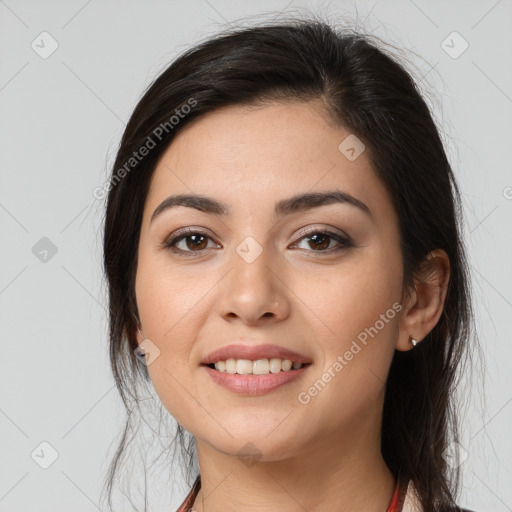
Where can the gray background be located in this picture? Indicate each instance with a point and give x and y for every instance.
(61, 120)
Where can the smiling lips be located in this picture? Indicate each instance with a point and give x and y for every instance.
(254, 369)
(253, 353)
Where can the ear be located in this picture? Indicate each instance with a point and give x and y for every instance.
(139, 336)
(426, 302)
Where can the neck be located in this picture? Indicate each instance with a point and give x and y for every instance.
(345, 473)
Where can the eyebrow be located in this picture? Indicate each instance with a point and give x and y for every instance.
(297, 203)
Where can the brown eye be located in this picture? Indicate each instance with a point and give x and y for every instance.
(196, 241)
(320, 241)
(191, 242)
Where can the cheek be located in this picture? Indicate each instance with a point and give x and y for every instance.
(352, 297)
(356, 310)
(172, 306)
(168, 299)
(170, 321)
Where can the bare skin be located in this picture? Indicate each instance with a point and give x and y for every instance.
(306, 296)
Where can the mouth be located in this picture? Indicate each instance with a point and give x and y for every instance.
(256, 367)
(255, 378)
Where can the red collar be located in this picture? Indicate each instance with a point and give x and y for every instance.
(397, 501)
(395, 505)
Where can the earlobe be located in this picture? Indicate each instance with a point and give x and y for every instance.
(427, 302)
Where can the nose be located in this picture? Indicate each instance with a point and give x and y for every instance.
(254, 291)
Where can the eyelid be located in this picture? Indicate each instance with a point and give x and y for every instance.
(343, 240)
(182, 233)
(323, 228)
(190, 230)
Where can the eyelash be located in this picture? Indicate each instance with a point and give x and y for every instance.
(171, 242)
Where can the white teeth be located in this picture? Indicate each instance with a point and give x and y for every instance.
(221, 366)
(261, 367)
(287, 365)
(275, 365)
(243, 366)
(231, 366)
(258, 367)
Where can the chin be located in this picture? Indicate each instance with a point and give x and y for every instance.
(255, 445)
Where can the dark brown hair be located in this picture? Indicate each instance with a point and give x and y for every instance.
(370, 93)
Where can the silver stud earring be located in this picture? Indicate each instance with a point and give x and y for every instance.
(414, 342)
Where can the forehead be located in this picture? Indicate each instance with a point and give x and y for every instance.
(253, 155)
(286, 134)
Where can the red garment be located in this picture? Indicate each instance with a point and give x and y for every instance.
(396, 505)
(398, 499)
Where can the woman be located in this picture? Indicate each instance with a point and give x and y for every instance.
(283, 254)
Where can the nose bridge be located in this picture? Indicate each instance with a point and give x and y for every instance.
(252, 289)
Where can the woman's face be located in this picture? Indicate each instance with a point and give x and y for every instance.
(254, 275)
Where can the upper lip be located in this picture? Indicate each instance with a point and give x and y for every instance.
(254, 352)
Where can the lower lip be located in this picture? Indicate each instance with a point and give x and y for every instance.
(254, 385)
